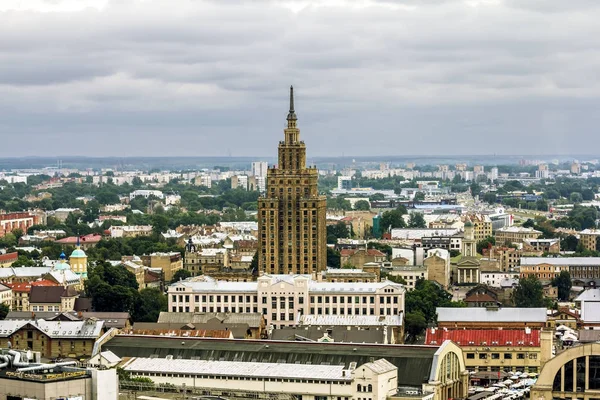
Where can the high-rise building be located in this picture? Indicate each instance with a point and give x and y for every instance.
(259, 168)
(291, 214)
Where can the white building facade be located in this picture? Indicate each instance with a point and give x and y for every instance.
(282, 299)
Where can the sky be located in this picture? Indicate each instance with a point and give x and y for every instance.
(371, 77)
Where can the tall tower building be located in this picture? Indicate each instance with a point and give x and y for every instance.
(291, 215)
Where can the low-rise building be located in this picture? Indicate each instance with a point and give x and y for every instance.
(516, 350)
(410, 273)
(376, 379)
(352, 274)
(17, 220)
(589, 239)
(359, 257)
(496, 279)
(541, 246)
(169, 263)
(86, 242)
(146, 194)
(52, 298)
(129, 231)
(515, 234)
(7, 259)
(6, 296)
(589, 304)
(243, 324)
(51, 338)
(438, 266)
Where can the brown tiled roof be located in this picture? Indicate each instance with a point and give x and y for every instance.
(479, 297)
(50, 294)
(8, 257)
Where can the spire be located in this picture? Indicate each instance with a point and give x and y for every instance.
(292, 114)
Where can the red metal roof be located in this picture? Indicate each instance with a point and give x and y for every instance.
(44, 282)
(91, 238)
(24, 287)
(484, 337)
(8, 257)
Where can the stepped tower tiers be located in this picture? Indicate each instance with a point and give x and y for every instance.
(291, 215)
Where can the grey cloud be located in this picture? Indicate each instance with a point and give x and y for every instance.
(392, 76)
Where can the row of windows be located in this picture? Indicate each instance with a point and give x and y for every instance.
(496, 356)
(282, 300)
(241, 378)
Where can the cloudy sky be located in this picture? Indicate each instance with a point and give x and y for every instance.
(372, 77)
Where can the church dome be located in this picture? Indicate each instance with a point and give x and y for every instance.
(61, 265)
(78, 253)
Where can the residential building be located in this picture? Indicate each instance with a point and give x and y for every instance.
(239, 182)
(432, 372)
(410, 273)
(491, 318)
(438, 267)
(541, 246)
(7, 259)
(21, 292)
(370, 272)
(260, 168)
(203, 180)
(146, 194)
(129, 231)
(589, 239)
(357, 258)
(482, 225)
(117, 320)
(6, 296)
(497, 278)
(52, 339)
(168, 263)
(344, 183)
(589, 304)
(85, 242)
(206, 261)
(243, 325)
(61, 214)
(291, 215)
(515, 234)
(583, 270)
(516, 350)
(564, 316)
(541, 270)
(19, 220)
(509, 258)
(283, 298)
(52, 298)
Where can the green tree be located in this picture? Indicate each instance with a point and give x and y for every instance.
(150, 303)
(377, 196)
(393, 219)
(426, 296)
(415, 324)
(181, 274)
(563, 283)
(576, 197)
(362, 205)
(485, 244)
(419, 196)
(569, 243)
(8, 240)
(416, 220)
(333, 258)
(4, 310)
(334, 232)
(529, 293)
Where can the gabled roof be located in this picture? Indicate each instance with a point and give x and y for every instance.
(89, 329)
(589, 295)
(50, 294)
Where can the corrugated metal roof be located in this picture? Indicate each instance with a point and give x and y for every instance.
(237, 368)
(482, 314)
(484, 337)
(589, 295)
(414, 363)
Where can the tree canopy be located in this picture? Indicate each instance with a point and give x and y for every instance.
(529, 293)
(563, 283)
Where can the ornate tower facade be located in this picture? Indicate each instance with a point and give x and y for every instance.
(291, 214)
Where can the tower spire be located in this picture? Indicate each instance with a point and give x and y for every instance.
(292, 114)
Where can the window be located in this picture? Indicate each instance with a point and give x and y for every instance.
(470, 356)
(482, 356)
(533, 356)
(495, 356)
(520, 356)
(508, 356)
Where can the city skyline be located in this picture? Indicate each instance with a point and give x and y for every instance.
(376, 78)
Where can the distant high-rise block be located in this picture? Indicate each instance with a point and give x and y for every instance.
(291, 214)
